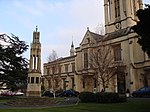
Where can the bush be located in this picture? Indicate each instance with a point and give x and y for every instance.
(122, 98)
(107, 97)
(101, 97)
(87, 97)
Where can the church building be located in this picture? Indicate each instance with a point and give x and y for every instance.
(132, 65)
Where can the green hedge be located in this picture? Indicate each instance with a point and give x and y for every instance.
(107, 97)
(101, 97)
(87, 97)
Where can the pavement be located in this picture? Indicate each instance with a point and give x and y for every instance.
(69, 101)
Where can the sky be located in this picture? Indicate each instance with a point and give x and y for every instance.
(59, 21)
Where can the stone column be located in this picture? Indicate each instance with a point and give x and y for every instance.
(39, 63)
(31, 63)
(106, 14)
(34, 58)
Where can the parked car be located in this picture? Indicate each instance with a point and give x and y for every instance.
(7, 93)
(61, 93)
(18, 93)
(69, 92)
(142, 92)
(48, 94)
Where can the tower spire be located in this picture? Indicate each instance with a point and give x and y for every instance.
(72, 42)
(36, 35)
(36, 28)
(72, 48)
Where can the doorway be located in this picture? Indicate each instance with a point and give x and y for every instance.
(121, 84)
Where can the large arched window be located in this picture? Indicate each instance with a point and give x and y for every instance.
(85, 58)
(117, 52)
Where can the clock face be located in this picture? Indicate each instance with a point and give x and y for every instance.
(118, 26)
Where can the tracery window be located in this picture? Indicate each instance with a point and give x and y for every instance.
(117, 8)
(85, 58)
(117, 53)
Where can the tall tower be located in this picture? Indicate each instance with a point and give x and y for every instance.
(72, 50)
(120, 14)
(34, 75)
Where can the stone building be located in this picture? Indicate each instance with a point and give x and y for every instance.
(131, 63)
(60, 73)
(120, 15)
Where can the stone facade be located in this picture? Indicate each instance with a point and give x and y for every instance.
(34, 75)
(60, 74)
(132, 64)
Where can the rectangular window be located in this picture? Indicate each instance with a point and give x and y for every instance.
(37, 80)
(117, 8)
(53, 69)
(48, 71)
(66, 68)
(85, 58)
(83, 84)
(32, 79)
(59, 69)
(117, 53)
(73, 67)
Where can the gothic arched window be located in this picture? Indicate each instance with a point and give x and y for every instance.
(85, 58)
(117, 8)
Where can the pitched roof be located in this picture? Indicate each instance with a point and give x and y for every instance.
(95, 36)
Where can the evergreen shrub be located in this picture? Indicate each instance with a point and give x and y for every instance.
(87, 97)
(122, 98)
(107, 97)
(101, 97)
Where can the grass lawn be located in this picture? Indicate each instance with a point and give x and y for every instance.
(133, 105)
(5, 99)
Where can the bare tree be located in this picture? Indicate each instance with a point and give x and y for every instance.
(52, 57)
(99, 29)
(54, 78)
(101, 61)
